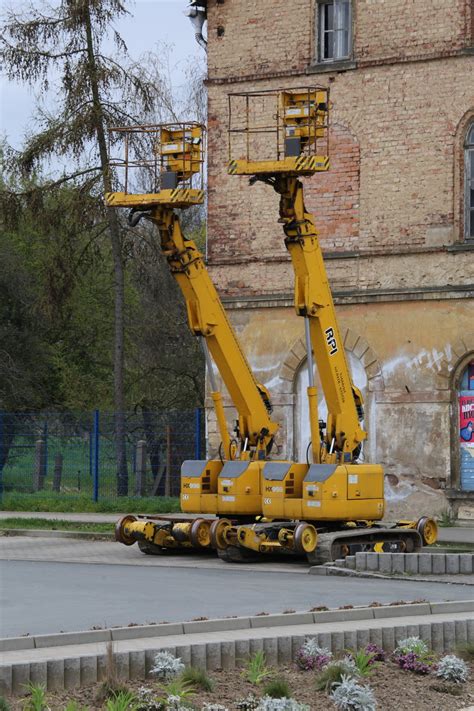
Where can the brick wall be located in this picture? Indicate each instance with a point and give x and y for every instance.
(277, 36)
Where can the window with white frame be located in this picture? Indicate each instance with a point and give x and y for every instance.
(335, 30)
(469, 184)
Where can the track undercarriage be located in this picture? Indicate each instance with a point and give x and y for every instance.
(244, 541)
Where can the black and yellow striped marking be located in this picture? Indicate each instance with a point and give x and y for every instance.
(232, 167)
(312, 163)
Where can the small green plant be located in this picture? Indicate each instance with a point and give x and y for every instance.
(74, 706)
(451, 668)
(446, 519)
(175, 693)
(37, 698)
(197, 678)
(123, 701)
(110, 689)
(4, 705)
(348, 695)
(256, 670)
(334, 672)
(277, 688)
(364, 661)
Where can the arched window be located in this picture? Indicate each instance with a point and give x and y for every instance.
(466, 427)
(469, 183)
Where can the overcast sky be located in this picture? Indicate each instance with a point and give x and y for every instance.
(152, 21)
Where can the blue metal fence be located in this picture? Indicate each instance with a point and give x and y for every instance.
(75, 453)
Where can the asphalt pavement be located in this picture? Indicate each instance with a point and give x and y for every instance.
(53, 585)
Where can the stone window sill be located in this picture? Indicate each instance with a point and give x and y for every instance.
(461, 247)
(341, 65)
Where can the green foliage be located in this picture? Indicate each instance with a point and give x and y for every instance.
(197, 678)
(122, 701)
(37, 698)
(446, 519)
(256, 670)
(4, 705)
(176, 692)
(334, 672)
(50, 501)
(55, 525)
(363, 661)
(74, 706)
(277, 688)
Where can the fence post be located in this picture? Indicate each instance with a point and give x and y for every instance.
(197, 433)
(2, 434)
(45, 456)
(95, 494)
(38, 476)
(58, 470)
(140, 468)
(168, 461)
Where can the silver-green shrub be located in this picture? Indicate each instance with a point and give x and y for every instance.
(166, 666)
(414, 645)
(451, 668)
(348, 695)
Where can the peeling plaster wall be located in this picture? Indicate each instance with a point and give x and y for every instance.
(413, 349)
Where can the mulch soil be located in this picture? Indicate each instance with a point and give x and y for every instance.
(394, 689)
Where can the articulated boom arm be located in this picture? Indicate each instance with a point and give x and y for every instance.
(313, 300)
(208, 319)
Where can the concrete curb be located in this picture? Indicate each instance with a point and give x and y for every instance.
(409, 563)
(345, 572)
(442, 625)
(46, 533)
(228, 624)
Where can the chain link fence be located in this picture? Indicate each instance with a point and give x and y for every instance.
(75, 453)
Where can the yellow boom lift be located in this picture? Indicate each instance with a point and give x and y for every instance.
(343, 498)
(230, 485)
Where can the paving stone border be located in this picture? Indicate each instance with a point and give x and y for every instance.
(408, 563)
(229, 646)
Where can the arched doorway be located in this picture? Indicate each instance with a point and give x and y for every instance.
(302, 429)
(466, 427)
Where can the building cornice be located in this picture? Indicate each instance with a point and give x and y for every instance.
(338, 67)
(356, 296)
(456, 248)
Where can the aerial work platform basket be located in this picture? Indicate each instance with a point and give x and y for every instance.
(161, 164)
(279, 131)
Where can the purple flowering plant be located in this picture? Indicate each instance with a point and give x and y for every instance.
(311, 656)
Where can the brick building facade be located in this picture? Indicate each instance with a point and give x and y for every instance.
(396, 221)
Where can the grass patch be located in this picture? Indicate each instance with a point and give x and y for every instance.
(197, 678)
(277, 688)
(55, 525)
(78, 503)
